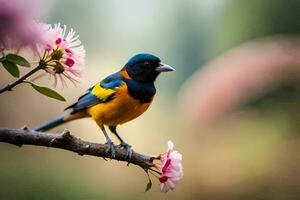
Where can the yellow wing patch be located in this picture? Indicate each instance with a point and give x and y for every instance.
(122, 108)
(102, 93)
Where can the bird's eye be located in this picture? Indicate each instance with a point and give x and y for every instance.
(146, 63)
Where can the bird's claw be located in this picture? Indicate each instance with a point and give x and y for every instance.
(127, 149)
(110, 147)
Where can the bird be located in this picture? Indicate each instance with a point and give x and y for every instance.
(117, 99)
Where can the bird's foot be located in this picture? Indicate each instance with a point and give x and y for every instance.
(110, 147)
(127, 149)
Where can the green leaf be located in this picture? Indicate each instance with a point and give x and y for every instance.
(19, 60)
(12, 68)
(149, 186)
(48, 92)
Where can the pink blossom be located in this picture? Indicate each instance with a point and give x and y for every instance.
(63, 53)
(16, 25)
(241, 75)
(170, 168)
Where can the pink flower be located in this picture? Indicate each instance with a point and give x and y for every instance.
(16, 25)
(62, 53)
(242, 74)
(171, 168)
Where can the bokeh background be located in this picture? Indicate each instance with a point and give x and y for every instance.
(236, 120)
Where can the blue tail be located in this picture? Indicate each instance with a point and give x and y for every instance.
(51, 124)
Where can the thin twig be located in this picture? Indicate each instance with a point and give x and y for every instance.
(68, 142)
(9, 87)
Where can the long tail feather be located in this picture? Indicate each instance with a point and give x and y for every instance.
(51, 124)
(61, 120)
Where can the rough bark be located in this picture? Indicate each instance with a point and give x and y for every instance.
(68, 142)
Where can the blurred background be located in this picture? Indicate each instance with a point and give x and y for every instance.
(231, 108)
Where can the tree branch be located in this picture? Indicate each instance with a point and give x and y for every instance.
(68, 142)
(9, 87)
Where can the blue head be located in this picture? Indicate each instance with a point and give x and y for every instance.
(145, 67)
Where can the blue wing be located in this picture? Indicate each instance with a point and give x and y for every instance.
(99, 93)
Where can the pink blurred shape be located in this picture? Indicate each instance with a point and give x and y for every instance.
(241, 74)
(16, 23)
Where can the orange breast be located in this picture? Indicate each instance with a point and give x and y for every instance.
(122, 108)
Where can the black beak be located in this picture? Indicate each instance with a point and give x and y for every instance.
(164, 68)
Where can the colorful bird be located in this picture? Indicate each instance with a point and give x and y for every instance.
(119, 98)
